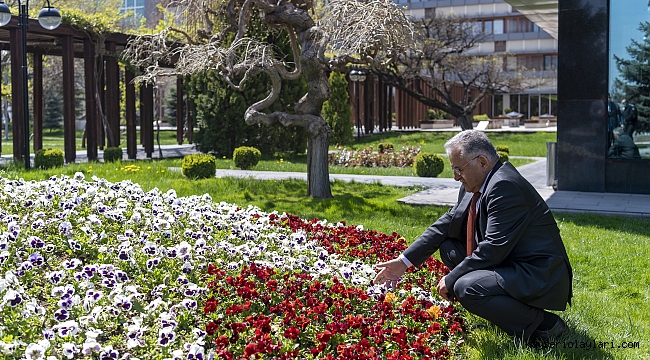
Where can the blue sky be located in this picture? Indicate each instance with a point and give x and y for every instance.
(625, 17)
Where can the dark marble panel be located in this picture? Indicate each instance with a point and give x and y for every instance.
(581, 4)
(628, 176)
(581, 145)
(583, 53)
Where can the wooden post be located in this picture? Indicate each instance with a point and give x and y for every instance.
(179, 110)
(92, 115)
(38, 101)
(112, 109)
(131, 141)
(17, 110)
(69, 136)
(146, 118)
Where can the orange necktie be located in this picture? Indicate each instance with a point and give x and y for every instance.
(471, 221)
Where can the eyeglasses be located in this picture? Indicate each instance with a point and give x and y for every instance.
(459, 170)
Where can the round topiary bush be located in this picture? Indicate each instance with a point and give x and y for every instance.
(112, 154)
(48, 158)
(428, 165)
(385, 146)
(503, 148)
(199, 166)
(503, 156)
(246, 157)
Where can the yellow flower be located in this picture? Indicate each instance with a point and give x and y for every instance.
(281, 160)
(224, 156)
(390, 297)
(162, 171)
(434, 311)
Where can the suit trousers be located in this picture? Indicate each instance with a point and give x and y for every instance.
(480, 293)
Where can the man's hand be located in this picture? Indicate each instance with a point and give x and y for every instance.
(442, 289)
(390, 272)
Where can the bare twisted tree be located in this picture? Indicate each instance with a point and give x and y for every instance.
(215, 38)
(441, 62)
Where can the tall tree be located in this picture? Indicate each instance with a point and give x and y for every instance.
(441, 63)
(633, 83)
(350, 32)
(336, 110)
(53, 101)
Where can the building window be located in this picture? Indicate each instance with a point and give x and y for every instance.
(550, 62)
(497, 108)
(521, 25)
(135, 6)
(530, 62)
(499, 46)
(488, 27)
(498, 26)
(511, 63)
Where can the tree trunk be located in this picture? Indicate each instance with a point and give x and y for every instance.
(465, 121)
(318, 182)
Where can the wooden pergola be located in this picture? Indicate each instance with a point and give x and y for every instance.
(101, 92)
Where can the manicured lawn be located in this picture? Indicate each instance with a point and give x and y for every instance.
(610, 255)
(54, 140)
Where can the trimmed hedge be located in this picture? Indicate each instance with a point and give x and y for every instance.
(503, 148)
(428, 165)
(246, 157)
(199, 166)
(112, 154)
(48, 158)
(386, 146)
(503, 156)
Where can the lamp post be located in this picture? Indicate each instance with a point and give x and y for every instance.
(49, 18)
(358, 76)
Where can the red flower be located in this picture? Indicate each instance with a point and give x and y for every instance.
(324, 337)
(210, 306)
(222, 341)
(250, 350)
(291, 333)
(211, 328)
(318, 349)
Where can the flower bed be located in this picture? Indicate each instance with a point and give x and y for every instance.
(109, 271)
(368, 157)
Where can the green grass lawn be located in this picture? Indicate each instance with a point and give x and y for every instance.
(54, 140)
(609, 255)
(519, 143)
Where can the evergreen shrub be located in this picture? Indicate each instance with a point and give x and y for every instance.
(383, 147)
(112, 154)
(48, 158)
(246, 157)
(503, 156)
(428, 165)
(503, 148)
(480, 117)
(336, 110)
(199, 166)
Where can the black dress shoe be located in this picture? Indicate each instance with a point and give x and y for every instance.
(553, 334)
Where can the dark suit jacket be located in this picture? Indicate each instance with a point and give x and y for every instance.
(517, 238)
(624, 148)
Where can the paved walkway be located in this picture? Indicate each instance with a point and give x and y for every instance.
(442, 191)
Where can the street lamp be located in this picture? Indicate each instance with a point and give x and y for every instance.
(49, 18)
(358, 76)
